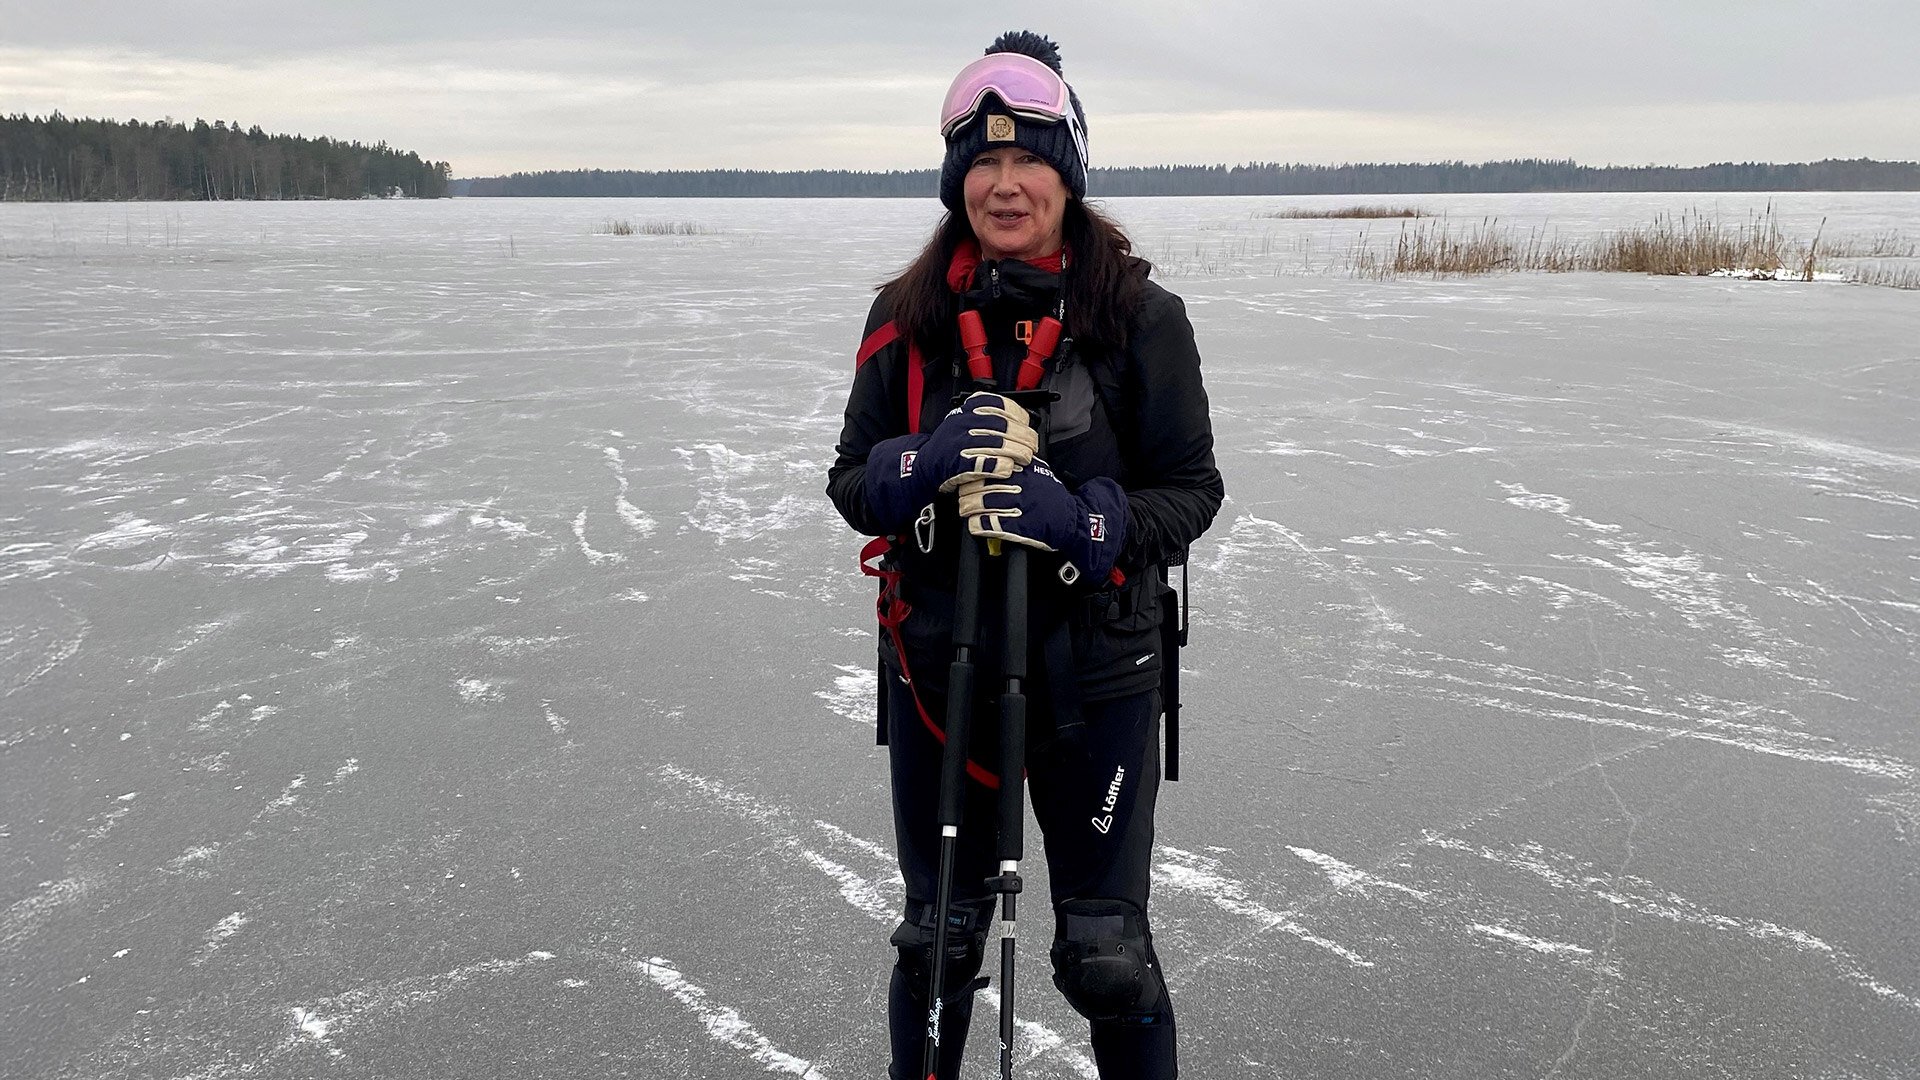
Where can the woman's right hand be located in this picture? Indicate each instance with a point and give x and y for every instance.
(989, 437)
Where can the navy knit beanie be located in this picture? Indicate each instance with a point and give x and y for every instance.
(1052, 142)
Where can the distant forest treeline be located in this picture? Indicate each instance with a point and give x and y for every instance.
(60, 159)
(1255, 179)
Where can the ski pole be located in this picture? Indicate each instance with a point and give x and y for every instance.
(1013, 724)
(1013, 754)
(953, 780)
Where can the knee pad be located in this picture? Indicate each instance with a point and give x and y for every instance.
(966, 948)
(1103, 961)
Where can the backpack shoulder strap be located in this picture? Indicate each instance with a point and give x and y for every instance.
(887, 334)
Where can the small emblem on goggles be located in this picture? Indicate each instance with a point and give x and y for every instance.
(999, 128)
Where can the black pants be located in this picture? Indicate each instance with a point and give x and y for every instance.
(1093, 794)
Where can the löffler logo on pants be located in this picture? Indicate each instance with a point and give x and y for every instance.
(1104, 822)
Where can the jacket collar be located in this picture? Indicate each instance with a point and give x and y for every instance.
(967, 263)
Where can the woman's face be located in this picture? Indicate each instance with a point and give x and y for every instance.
(1015, 203)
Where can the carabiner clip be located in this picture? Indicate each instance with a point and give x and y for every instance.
(923, 530)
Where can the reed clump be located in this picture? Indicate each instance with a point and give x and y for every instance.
(1888, 244)
(1690, 244)
(1892, 277)
(1362, 213)
(1438, 248)
(1694, 245)
(623, 227)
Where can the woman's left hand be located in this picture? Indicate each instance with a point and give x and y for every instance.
(1032, 507)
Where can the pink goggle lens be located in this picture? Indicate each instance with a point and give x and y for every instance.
(1025, 84)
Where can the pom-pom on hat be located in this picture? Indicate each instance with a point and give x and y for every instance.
(994, 125)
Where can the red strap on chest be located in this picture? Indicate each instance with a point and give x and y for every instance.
(916, 386)
(879, 339)
(886, 335)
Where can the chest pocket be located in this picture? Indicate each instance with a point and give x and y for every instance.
(1081, 440)
(1072, 415)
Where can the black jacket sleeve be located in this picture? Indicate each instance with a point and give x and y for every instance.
(1174, 489)
(876, 410)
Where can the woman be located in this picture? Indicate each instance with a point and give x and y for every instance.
(1126, 480)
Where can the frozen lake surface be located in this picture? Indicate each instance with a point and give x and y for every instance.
(426, 651)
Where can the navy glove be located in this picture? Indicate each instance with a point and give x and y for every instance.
(1034, 508)
(987, 438)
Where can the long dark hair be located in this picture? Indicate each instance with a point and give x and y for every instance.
(1103, 281)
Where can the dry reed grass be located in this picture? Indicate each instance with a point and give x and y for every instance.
(1364, 213)
(1890, 244)
(1439, 249)
(1892, 277)
(623, 227)
(1690, 245)
(1693, 245)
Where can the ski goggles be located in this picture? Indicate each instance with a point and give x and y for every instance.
(1027, 87)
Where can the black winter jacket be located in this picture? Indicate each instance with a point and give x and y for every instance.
(1157, 443)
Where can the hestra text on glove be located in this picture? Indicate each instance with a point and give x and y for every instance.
(1032, 507)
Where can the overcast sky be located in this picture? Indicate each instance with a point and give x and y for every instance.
(551, 84)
